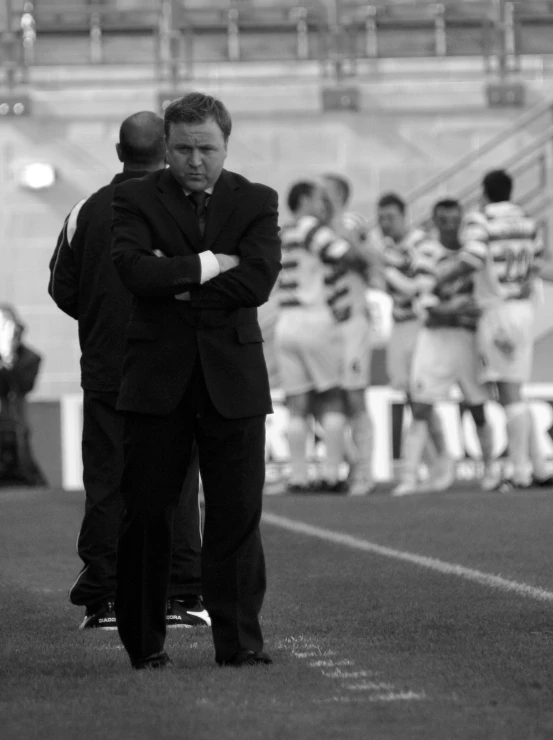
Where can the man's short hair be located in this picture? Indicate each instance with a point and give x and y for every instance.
(197, 108)
(497, 186)
(341, 183)
(141, 141)
(297, 192)
(392, 199)
(447, 203)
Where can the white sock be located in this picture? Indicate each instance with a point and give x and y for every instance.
(539, 463)
(485, 437)
(362, 434)
(436, 433)
(297, 433)
(518, 429)
(413, 448)
(333, 423)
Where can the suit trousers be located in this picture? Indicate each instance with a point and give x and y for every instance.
(102, 451)
(232, 467)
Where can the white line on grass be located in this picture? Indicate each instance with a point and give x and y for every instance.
(356, 543)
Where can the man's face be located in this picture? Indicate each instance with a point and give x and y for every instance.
(448, 223)
(196, 153)
(334, 194)
(317, 204)
(392, 222)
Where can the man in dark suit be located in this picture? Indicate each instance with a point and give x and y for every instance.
(198, 248)
(85, 285)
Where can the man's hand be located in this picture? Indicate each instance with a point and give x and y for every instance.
(227, 261)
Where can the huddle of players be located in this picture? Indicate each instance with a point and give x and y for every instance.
(463, 294)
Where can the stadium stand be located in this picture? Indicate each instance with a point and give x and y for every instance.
(132, 33)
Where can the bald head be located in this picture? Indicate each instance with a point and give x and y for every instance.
(142, 142)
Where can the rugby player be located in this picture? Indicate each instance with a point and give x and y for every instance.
(446, 353)
(399, 248)
(502, 249)
(349, 306)
(307, 341)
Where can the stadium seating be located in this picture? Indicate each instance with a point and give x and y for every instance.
(128, 32)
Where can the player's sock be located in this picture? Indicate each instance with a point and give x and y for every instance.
(362, 434)
(485, 437)
(539, 463)
(297, 433)
(436, 433)
(413, 447)
(333, 424)
(430, 456)
(518, 429)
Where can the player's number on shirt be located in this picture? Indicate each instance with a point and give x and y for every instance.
(517, 264)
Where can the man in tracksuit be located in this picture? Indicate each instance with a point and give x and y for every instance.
(85, 285)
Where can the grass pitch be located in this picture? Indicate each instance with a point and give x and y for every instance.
(365, 646)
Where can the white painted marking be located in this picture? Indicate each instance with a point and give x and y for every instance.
(329, 663)
(302, 647)
(369, 686)
(348, 674)
(356, 543)
(398, 696)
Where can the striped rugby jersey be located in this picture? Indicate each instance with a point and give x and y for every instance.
(307, 246)
(455, 297)
(503, 245)
(398, 271)
(346, 287)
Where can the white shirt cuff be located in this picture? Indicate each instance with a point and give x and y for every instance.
(209, 266)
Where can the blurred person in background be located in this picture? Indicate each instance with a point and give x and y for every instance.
(399, 249)
(85, 285)
(19, 367)
(446, 353)
(503, 253)
(308, 343)
(349, 306)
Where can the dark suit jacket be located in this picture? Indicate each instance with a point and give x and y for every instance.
(219, 323)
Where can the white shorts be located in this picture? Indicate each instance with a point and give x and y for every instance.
(443, 358)
(512, 321)
(355, 334)
(399, 354)
(308, 350)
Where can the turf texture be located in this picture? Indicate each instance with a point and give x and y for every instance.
(365, 646)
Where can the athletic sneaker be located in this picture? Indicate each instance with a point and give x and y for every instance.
(337, 487)
(492, 480)
(520, 484)
(101, 617)
(361, 487)
(542, 482)
(406, 488)
(187, 613)
(300, 488)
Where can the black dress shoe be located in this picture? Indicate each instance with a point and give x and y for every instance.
(247, 657)
(158, 660)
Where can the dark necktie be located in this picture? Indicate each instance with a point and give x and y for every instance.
(198, 201)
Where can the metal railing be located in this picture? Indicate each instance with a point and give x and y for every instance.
(524, 149)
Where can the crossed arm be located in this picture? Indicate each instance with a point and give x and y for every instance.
(244, 279)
